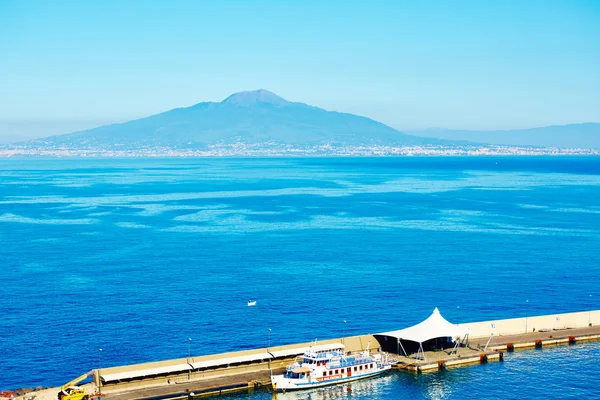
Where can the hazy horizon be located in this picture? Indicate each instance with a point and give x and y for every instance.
(22, 130)
(17, 131)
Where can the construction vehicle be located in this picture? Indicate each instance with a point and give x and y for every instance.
(69, 391)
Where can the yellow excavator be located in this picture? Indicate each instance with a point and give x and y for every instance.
(69, 391)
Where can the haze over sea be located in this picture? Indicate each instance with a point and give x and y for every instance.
(135, 256)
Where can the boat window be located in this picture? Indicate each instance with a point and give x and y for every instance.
(330, 372)
(355, 369)
(324, 373)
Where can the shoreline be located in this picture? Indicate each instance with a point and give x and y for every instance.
(301, 152)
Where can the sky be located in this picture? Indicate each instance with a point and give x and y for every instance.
(71, 65)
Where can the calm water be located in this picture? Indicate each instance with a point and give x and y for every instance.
(137, 256)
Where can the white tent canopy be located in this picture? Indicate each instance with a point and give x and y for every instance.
(433, 327)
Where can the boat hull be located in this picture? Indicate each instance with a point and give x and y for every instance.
(281, 384)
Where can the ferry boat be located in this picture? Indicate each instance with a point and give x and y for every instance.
(326, 365)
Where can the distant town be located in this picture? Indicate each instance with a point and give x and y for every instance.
(286, 150)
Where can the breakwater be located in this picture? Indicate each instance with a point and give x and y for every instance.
(198, 376)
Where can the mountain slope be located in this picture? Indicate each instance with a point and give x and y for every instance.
(574, 136)
(246, 117)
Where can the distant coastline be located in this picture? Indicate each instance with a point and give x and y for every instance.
(274, 150)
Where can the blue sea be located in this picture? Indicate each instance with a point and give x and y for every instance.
(135, 256)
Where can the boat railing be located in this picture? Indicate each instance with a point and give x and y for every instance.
(320, 355)
(350, 362)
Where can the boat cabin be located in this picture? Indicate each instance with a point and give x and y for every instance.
(298, 373)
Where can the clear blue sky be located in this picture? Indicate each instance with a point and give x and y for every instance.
(456, 64)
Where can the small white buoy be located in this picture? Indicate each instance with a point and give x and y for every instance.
(251, 303)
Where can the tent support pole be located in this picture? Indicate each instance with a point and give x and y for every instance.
(488, 342)
(404, 351)
(455, 349)
(465, 339)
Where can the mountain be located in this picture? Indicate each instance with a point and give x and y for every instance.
(252, 117)
(572, 136)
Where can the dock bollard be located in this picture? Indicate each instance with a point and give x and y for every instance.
(483, 358)
(538, 344)
(572, 340)
(510, 347)
(441, 364)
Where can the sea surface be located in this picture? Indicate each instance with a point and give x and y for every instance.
(136, 256)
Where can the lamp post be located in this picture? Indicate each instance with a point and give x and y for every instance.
(344, 333)
(189, 356)
(590, 312)
(457, 311)
(269, 350)
(99, 368)
(526, 309)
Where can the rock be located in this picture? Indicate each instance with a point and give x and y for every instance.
(22, 391)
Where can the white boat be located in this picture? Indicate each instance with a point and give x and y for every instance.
(251, 303)
(325, 365)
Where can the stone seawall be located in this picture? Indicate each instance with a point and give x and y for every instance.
(527, 324)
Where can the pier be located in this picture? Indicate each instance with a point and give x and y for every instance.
(215, 374)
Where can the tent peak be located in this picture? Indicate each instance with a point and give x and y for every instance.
(434, 326)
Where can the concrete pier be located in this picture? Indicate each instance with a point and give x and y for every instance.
(437, 360)
(498, 348)
(201, 372)
(245, 370)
